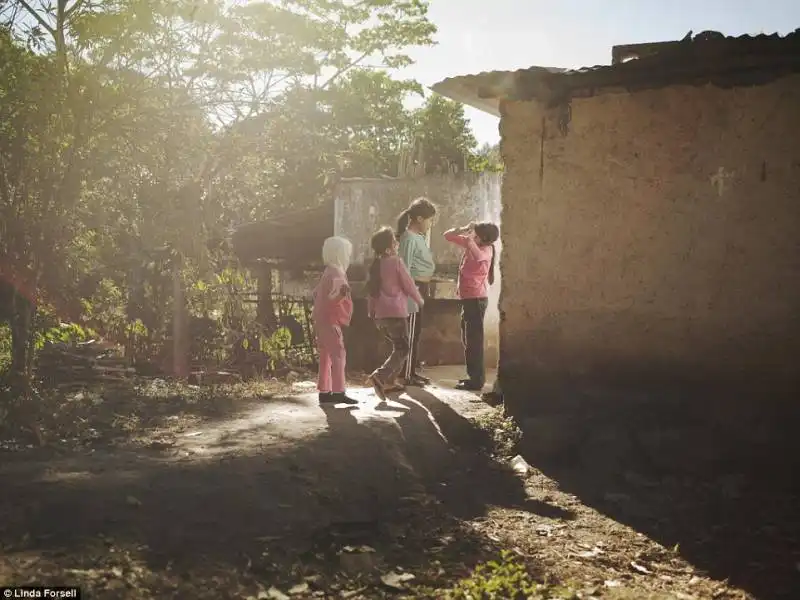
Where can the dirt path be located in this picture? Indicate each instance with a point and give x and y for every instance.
(279, 495)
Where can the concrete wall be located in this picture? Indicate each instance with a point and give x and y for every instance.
(651, 240)
(364, 205)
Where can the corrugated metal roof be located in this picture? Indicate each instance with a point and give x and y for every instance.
(708, 57)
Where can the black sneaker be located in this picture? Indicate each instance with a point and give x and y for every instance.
(342, 398)
(326, 398)
(471, 386)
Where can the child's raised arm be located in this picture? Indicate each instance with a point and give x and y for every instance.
(460, 236)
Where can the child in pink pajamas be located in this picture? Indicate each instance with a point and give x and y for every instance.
(333, 309)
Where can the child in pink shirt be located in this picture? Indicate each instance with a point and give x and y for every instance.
(388, 290)
(333, 309)
(475, 274)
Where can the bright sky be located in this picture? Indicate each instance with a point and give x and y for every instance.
(489, 35)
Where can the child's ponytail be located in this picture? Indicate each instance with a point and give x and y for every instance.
(402, 222)
(491, 267)
(382, 241)
(421, 208)
(488, 234)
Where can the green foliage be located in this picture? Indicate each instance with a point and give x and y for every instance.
(5, 347)
(135, 132)
(487, 159)
(443, 130)
(503, 430)
(276, 345)
(506, 578)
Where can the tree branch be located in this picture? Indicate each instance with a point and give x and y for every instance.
(344, 69)
(38, 17)
(73, 8)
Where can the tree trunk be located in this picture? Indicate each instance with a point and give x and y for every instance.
(21, 331)
(265, 309)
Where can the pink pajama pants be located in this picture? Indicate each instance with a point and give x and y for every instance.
(332, 358)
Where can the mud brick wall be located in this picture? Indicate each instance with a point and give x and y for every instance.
(651, 243)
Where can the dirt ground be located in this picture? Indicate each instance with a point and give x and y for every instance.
(253, 490)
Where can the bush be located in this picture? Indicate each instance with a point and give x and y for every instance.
(503, 431)
(504, 579)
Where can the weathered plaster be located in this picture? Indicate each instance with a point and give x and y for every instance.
(651, 239)
(364, 205)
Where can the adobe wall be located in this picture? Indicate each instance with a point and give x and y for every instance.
(651, 245)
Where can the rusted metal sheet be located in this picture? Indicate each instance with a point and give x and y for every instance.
(707, 58)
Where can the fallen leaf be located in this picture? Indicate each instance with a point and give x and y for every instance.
(519, 465)
(640, 568)
(133, 501)
(353, 593)
(396, 580)
(274, 593)
(591, 553)
(357, 549)
(300, 588)
(611, 583)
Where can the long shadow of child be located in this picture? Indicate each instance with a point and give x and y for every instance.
(451, 453)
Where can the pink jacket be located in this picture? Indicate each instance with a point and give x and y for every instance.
(396, 288)
(330, 307)
(473, 272)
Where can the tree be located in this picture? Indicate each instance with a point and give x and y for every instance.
(43, 158)
(487, 158)
(135, 125)
(443, 132)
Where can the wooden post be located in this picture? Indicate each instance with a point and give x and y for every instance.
(265, 309)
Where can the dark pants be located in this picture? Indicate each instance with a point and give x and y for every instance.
(396, 331)
(415, 332)
(472, 313)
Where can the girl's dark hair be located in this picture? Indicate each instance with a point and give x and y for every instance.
(381, 242)
(421, 207)
(488, 233)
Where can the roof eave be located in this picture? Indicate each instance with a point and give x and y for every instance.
(455, 89)
(485, 91)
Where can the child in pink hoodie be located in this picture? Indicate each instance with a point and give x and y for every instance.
(333, 309)
(388, 290)
(475, 274)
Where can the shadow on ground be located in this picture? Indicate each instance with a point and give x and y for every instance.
(712, 478)
(213, 524)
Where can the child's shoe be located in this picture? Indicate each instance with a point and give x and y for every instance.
(342, 398)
